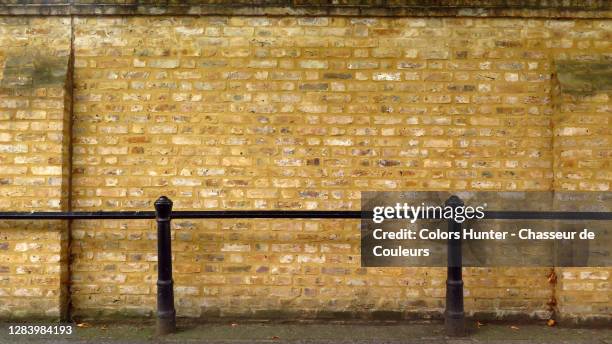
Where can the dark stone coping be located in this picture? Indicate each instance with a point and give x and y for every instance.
(369, 8)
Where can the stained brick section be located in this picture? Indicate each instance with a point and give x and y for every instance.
(34, 165)
(583, 147)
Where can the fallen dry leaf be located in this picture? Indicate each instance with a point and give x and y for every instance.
(275, 337)
(83, 325)
(552, 277)
(234, 324)
(514, 327)
(551, 322)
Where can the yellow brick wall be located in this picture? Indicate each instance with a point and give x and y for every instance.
(304, 113)
(34, 164)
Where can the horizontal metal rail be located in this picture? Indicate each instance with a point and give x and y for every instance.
(286, 214)
(548, 215)
(77, 215)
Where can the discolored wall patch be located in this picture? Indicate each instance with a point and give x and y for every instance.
(33, 69)
(584, 78)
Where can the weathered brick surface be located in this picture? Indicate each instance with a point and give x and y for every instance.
(232, 112)
(34, 164)
(303, 113)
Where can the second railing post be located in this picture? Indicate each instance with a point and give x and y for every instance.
(166, 315)
(454, 315)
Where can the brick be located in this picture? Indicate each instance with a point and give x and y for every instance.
(47, 170)
(362, 65)
(111, 256)
(17, 148)
(28, 292)
(339, 142)
(317, 64)
(31, 114)
(387, 76)
(170, 63)
(238, 31)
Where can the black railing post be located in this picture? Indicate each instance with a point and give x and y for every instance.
(454, 316)
(166, 315)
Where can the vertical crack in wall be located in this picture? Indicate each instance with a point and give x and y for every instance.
(551, 304)
(65, 301)
(552, 301)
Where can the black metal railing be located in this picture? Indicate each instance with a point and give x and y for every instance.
(284, 214)
(166, 314)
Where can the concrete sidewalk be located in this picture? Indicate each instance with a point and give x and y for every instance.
(329, 333)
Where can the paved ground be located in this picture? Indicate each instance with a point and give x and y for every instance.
(228, 333)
